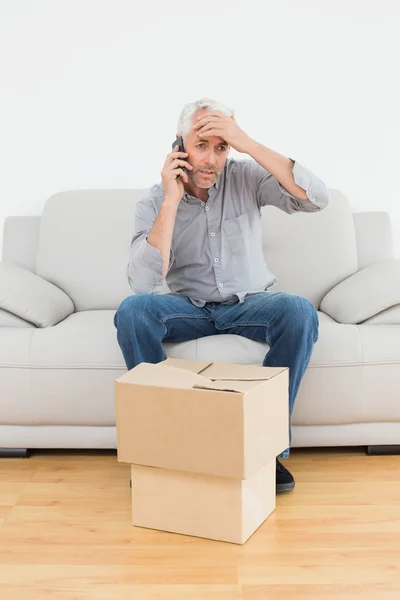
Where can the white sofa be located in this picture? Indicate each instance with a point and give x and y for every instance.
(63, 276)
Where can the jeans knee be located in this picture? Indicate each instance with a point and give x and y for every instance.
(309, 317)
(303, 314)
(132, 310)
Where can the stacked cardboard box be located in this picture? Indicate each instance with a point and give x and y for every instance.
(201, 439)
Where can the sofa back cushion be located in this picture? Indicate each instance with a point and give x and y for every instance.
(374, 237)
(310, 252)
(85, 236)
(84, 243)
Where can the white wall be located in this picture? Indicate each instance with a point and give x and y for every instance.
(90, 90)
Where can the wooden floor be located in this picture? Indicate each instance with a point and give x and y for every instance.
(66, 534)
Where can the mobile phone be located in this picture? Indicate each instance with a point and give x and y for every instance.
(179, 147)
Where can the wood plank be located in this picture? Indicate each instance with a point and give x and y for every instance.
(10, 492)
(357, 493)
(70, 577)
(320, 592)
(16, 469)
(123, 591)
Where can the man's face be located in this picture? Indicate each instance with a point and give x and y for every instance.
(207, 155)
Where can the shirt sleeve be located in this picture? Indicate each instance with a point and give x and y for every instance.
(269, 191)
(145, 266)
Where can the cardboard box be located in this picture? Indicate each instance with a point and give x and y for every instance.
(217, 508)
(217, 419)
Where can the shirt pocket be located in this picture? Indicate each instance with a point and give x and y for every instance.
(237, 233)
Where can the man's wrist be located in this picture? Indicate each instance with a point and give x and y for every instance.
(251, 147)
(170, 204)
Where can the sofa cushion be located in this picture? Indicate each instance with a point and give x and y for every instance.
(64, 375)
(311, 252)
(20, 240)
(390, 316)
(85, 237)
(374, 237)
(84, 244)
(366, 293)
(16, 405)
(31, 297)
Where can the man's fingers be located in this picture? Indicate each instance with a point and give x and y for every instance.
(182, 163)
(206, 129)
(180, 173)
(208, 126)
(205, 120)
(178, 154)
(211, 131)
(173, 155)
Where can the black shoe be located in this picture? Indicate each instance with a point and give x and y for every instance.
(284, 479)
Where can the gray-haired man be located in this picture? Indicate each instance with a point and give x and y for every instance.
(200, 229)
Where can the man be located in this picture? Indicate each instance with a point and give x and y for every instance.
(200, 229)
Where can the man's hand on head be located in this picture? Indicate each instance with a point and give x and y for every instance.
(214, 123)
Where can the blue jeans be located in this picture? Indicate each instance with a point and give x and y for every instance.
(286, 322)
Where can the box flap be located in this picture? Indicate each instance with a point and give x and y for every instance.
(172, 377)
(234, 372)
(228, 386)
(184, 374)
(190, 365)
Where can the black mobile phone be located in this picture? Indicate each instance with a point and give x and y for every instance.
(179, 147)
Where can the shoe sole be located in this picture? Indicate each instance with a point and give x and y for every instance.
(284, 487)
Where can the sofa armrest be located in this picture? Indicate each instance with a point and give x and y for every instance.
(365, 293)
(7, 319)
(32, 298)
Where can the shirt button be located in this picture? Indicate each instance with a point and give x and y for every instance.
(207, 208)
(220, 285)
(215, 259)
(203, 204)
(212, 234)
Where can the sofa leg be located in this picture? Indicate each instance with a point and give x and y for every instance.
(14, 453)
(381, 450)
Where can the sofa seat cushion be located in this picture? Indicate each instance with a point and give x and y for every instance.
(64, 375)
(85, 339)
(337, 345)
(16, 407)
(88, 339)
